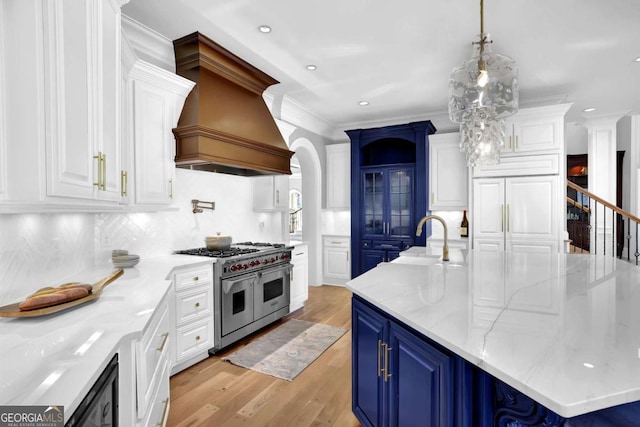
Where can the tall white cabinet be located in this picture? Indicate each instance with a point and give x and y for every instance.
(518, 204)
(338, 176)
(448, 173)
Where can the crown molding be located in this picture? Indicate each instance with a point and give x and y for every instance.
(148, 44)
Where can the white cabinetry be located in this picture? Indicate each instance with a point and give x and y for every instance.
(299, 276)
(518, 214)
(82, 90)
(338, 176)
(534, 144)
(193, 315)
(535, 129)
(448, 173)
(337, 259)
(271, 193)
(64, 93)
(153, 364)
(154, 102)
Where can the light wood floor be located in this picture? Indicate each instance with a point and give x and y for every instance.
(217, 393)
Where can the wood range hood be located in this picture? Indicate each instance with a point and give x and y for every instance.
(225, 125)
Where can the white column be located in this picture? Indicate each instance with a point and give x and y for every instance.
(634, 181)
(602, 181)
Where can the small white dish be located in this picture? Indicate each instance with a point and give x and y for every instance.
(125, 261)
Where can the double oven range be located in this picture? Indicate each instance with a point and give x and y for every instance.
(251, 288)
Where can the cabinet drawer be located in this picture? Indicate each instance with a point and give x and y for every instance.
(193, 338)
(158, 411)
(193, 277)
(336, 242)
(194, 304)
(386, 246)
(152, 351)
(299, 252)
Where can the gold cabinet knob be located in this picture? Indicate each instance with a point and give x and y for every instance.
(195, 279)
(197, 304)
(197, 337)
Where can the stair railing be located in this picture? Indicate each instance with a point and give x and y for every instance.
(295, 220)
(588, 214)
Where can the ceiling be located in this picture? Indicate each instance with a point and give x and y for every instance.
(399, 58)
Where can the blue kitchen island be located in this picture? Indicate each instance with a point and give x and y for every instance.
(497, 339)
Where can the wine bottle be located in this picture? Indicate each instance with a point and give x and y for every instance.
(464, 225)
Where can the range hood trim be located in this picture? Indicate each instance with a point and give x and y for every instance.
(226, 125)
(219, 60)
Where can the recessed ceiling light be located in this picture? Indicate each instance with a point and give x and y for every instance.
(637, 59)
(311, 67)
(264, 29)
(588, 110)
(363, 103)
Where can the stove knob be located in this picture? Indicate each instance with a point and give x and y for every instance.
(273, 260)
(245, 266)
(232, 268)
(266, 261)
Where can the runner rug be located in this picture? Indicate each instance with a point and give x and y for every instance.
(287, 350)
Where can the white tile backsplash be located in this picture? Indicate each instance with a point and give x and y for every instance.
(38, 250)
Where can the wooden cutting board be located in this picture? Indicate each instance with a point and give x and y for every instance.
(12, 310)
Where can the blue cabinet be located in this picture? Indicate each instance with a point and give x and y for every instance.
(388, 191)
(399, 380)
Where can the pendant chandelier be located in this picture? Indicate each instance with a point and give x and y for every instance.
(482, 92)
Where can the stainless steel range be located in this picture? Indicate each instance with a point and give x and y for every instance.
(251, 288)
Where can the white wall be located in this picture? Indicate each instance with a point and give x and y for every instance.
(38, 250)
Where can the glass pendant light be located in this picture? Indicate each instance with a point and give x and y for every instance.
(482, 92)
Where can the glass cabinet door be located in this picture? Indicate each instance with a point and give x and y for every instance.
(400, 195)
(374, 203)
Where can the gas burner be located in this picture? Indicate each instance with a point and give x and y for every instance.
(217, 254)
(261, 244)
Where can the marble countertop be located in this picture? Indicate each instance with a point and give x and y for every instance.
(563, 329)
(55, 359)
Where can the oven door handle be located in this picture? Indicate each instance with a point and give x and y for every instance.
(227, 285)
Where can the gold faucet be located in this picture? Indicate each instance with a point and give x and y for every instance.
(445, 248)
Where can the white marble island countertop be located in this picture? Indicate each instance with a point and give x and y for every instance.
(563, 329)
(55, 359)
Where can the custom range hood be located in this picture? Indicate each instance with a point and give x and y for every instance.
(225, 125)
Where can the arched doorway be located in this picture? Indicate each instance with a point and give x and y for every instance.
(311, 184)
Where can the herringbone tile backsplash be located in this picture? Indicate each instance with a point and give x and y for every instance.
(38, 250)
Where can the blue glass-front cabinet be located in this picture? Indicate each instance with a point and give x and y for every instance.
(387, 213)
(388, 191)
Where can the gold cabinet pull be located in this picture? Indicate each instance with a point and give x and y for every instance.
(509, 141)
(508, 218)
(387, 375)
(516, 142)
(433, 197)
(171, 188)
(164, 341)
(164, 412)
(104, 172)
(123, 183)
(98, 157)
(379, 355)
(195, 279)
(502, 218)
(197, 304)
(197, 337)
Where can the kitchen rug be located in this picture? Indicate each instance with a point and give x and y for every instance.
(287, 350)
